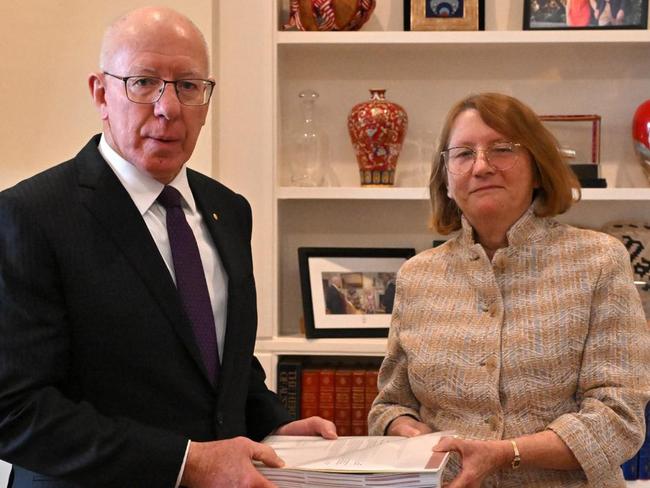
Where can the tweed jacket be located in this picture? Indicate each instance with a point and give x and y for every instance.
(549, 334)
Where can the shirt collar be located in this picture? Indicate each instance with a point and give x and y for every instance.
(141, 187)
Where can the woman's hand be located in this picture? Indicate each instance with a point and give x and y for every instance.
(407, 427)
(478, 459)
(310, 426)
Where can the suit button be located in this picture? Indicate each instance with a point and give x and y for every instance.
(219, 419)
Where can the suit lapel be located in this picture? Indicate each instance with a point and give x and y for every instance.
(109, 202)
(221, 220)
(224, 224)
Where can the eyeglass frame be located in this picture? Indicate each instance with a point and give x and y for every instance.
(125, 79)
(444, 154)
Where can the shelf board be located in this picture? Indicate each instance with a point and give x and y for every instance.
(351, 193)
(613, 194)
(466, 37)
(299, 345)
(422, 193)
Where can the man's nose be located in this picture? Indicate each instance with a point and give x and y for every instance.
(168, 105)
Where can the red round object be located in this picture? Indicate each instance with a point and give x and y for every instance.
(377, 129)
(641, 124)
(641, 136)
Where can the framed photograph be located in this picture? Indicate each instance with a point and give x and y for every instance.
(585, 14)
(443, 15)
(349, 292)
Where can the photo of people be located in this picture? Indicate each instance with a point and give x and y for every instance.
(358, 292)
(585, 14)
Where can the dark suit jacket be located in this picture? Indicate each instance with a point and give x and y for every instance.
(101, 382)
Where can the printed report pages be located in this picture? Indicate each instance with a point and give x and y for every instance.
(356, 461)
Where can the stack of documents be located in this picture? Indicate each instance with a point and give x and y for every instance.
(356, 461)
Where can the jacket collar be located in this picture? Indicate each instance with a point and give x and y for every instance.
(528, 229)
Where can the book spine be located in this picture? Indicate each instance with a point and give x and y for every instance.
(631, 468)
(326, 394)
(644, 452)
(371, 387)
(310, 393)
(358, 412)
(283, 385)
(370, 391)
(644, 464)
(343, 401)
(294, 377)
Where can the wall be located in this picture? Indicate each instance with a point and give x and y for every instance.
(47, 48)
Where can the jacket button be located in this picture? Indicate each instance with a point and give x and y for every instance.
(492, 421)
(500, 262)
(219, 418)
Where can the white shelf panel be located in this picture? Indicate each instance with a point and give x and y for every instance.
(323, 347)
(351, 193)
(422, 193)
(467, 37)
(629, 194)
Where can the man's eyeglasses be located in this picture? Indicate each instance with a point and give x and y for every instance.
(149, 89)
(501, 156)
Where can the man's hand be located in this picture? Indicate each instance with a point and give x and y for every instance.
(311, 426)
(228, 463)
(478, 459)
(407, 427)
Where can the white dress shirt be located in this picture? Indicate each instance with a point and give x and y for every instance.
(144, 191)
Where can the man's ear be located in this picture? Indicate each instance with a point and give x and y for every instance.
(98, 93)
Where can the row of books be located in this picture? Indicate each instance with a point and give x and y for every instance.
(638, 468)
(341, 394)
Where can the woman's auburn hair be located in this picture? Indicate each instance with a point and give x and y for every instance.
(558, 186)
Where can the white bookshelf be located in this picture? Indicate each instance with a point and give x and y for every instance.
(262, 69)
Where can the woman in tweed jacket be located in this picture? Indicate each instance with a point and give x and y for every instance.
(523, 335)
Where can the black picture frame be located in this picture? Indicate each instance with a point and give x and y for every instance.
(540, 15)
(415, 17)
(346, 292)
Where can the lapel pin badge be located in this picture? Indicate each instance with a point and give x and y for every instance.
(215, 216)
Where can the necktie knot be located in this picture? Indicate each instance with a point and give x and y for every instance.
(170, 197)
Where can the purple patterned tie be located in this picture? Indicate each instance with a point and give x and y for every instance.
(190, 279)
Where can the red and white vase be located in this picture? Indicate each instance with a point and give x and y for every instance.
(328, 15)
(377, 129)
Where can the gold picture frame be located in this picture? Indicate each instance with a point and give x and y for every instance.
(424, 18)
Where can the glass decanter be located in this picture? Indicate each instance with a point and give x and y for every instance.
(308, 146)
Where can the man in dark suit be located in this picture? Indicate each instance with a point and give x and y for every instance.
(110, 377)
